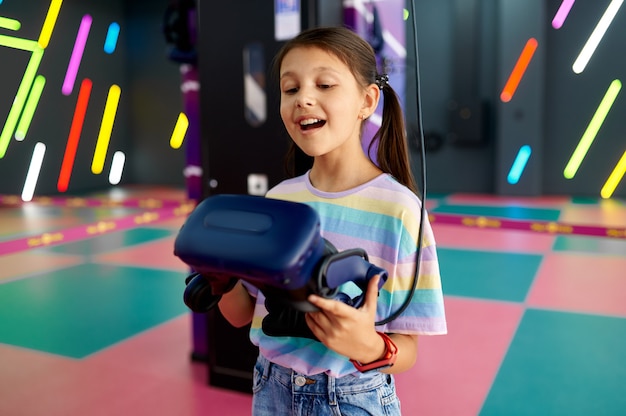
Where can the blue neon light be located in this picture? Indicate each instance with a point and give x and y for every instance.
(111, 40)
(519, 164)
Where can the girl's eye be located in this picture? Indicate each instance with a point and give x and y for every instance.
(290, 90)
(324, 86)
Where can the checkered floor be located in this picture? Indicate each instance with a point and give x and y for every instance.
(92, 320)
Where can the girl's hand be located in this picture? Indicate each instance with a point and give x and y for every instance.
(347, 330)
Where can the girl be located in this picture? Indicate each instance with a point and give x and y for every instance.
(329, 86)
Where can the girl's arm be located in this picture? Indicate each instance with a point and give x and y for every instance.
(237, 306)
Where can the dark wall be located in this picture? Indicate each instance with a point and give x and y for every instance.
(550, 110)
(149, 104)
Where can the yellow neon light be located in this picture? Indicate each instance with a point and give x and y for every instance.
(614, 178)
(592, 130)
(30, 107)
(20, 99)
(106, 127)
(18, 43)
(49, 23)
(10, 24)
(179, 131)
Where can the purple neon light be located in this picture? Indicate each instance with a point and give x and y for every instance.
(561, 14)
(77, 55)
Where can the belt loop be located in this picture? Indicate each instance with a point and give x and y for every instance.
(267, 364)
(332, 395)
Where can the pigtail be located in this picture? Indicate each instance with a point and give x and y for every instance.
(393, 153)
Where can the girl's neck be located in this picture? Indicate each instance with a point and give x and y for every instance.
(337, 177)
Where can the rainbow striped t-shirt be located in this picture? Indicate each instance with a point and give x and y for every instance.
(382, 217)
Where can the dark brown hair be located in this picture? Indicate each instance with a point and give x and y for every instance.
(392, 155)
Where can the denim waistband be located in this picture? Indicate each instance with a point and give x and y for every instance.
(321, 383)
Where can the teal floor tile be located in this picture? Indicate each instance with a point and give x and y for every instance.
(595, 245)
(562, 364)
(510, 212)
(77, 311)
(487, 275)
(111, 241)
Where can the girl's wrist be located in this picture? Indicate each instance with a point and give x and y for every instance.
(377, 350)
(388, 359)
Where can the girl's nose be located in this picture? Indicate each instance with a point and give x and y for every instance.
(304, 98)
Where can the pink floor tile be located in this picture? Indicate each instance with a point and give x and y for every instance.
(149, 374)
(158, 254)
(453, 236)
(607, 214)
(454, 372)
(580, 283)
(26, 263)
(173, 224)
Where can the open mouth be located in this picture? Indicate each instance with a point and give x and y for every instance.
(311, 123)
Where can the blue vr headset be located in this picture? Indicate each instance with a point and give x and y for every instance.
(272, 244)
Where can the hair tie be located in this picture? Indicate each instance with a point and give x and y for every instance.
(382, 80)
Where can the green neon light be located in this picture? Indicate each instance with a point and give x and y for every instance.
(18, 43)
(31, 106)
(592, 129)
(20, 99)
(10, 24)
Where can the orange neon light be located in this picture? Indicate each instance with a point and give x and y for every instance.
(74, 137)
(519, 70)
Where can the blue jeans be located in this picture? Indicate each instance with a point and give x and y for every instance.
(279, 391)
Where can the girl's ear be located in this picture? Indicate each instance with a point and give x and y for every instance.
(370, 101)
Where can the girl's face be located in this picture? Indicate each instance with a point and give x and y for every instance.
(322, 105)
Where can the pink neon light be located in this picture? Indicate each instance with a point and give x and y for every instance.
(77, 55)
(561, 14)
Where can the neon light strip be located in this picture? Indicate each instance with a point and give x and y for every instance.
(519, 164)
(11, 24)
(49, 23)
(117, 167)
(18, 43)
(176, 141)
(113, 34)
(30, 107)
(33, 172)
(614, 178)
(106, 127)
(519, 70)
(20, 99)
(596, 36)
(561, 14)
(74, 137)
(592, 129)
(77, 55)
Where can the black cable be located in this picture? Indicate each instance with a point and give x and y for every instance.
(422, 148)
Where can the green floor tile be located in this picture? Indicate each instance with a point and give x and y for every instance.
(77, 311)
(487, 275)
(562, 364)
(510, 212)
(595, 245)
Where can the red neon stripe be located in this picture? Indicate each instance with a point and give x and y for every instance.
(74, 137)
(519, 70)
